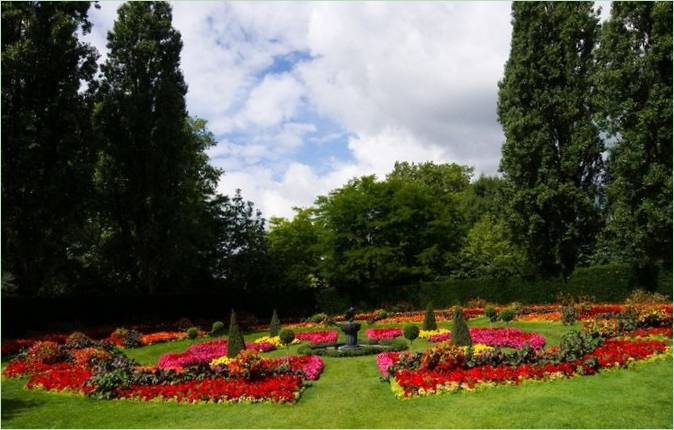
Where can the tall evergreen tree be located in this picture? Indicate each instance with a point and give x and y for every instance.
(152, 173)
(635, 81)
(552, 154)
(47, 145)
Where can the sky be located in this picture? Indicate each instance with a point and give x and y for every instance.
(304, 96)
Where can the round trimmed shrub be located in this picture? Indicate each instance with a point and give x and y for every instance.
(192, 332)
(317, 318)
(410, 331)
(286, 336)
(218, 328)
(490, 312)
(507, 315)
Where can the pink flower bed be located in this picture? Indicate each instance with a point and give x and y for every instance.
(383, 333)
(205, 352)
(509, 337)
(310, 365)
(386, 360)
(316, 337)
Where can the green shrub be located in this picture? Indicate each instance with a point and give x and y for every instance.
(460, 333)
(429, 319)
(286, 336)
(575, 344)
(192, 332)
(274, 325)
(569, 314)
(506, 315)
(606, 283)
(235, 342)
(490, 312)
(218, 328)
(318, 318)
(78, 340)
(410, 331)
(644, 297)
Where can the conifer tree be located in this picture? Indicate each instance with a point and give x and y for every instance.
(460, 332)
(429, 318)
(635, 87)
(235, 341)
(551, 157)
(274, 325)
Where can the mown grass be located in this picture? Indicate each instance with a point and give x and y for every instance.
(350, 394)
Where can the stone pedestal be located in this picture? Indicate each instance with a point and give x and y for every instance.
(350, 329)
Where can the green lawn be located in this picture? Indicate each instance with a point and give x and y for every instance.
(350, 394)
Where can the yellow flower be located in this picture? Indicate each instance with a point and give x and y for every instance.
(425, 334)
(221, 361)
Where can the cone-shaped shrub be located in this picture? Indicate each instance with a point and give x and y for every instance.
(274, 325)
(235, 342)
(460, 333)
(429, 319)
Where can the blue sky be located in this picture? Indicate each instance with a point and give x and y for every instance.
(304, 96)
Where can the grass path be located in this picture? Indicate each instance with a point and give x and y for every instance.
(349, 394)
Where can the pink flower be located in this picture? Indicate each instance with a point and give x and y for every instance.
(383, 333)
(386, 360)
(316, 337)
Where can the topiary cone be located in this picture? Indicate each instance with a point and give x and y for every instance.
(460, 332)
(429, 319)
(235, 342)
(274, 325)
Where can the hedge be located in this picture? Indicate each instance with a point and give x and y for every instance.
(606, 283)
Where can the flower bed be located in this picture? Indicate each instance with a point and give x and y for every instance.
(446, 370)
(282, 388)
(162, 336)
(318, 337)
(383, 333)
(108, 373)
(503, 337)
(203, 353)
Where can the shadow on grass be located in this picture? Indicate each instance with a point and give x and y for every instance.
(13, 407)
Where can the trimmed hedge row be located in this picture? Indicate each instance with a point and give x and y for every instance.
(607, 283)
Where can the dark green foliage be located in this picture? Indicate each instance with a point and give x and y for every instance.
(192, 332)
(411, 332)
(506, 315)
(48, 148)
(569, 314)
(274, 325)
(635, 96)
(318, 318)
(218, 328)
(574, 345)
(287, 336)
(156, 188)
(429, 319)
(460, 333)
(391, 232)
(235, 342)
(78, 340)
(551, 158)
(295, 251)
(332, 351)
(490, 312)
(607, 283)
(130, 338)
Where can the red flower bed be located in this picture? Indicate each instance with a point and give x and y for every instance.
(281, 388)
(612, 353)
(18, 368)
(59, 379)
(652, 331)
(162, 336)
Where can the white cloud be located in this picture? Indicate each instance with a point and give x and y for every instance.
(406, 81)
